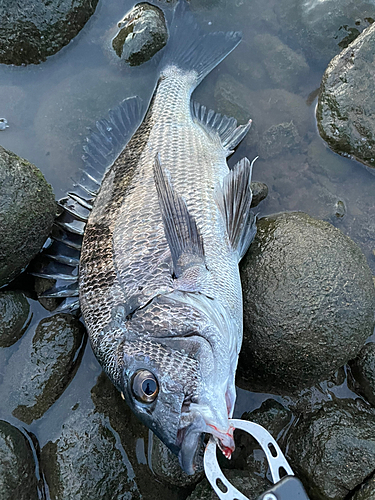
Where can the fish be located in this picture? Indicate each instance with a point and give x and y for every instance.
(160, 239)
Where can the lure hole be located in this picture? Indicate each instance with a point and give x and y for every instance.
(221, 485)
(272, 450)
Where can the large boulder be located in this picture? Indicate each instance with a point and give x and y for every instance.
(346, 107)
(27, 212)
(14, 314)
(333, 449)
(309, 303)
(32, 31)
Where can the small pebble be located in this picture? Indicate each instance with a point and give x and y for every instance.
(3, 123)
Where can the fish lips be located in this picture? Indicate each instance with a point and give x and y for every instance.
(191, 443)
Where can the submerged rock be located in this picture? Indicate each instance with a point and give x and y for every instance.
(346, 106)
(17, 466)
(14, 313)
(38, 373)
(363, 370)
(333, 449)
(32, 31)
(143, 32)
(27, 212)
(309, 303)
(260, 192)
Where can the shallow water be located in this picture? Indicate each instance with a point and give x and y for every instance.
(51, 107)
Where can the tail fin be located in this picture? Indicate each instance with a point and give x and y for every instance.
(190, 48)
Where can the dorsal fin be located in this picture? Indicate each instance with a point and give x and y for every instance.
(229, 132)
(234, 201)
(180, 227)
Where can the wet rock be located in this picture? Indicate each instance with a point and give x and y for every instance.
(167, 467)
(346, 108)
(251, 485)
(38, 373)
(143, 32)
(42, 285)
(27, 213)
(30, 32)
(285, 67)
(363, 371)
(322, 28)
(309, 303)
(366, 492)
(332, 450)
(260, 192)
(17, 466)
(14, 313)
(3, 123)
(340, 209)
(109, 459)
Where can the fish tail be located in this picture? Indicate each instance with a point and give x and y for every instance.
(191, 48)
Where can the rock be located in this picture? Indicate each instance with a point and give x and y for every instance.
(322, 28)
(285, 67)
(30, 32)
(42, 285)
(37, 374)
(366, 492)
(346, 109)
(14, 313)
(278, 140)
(363, 371)
(143, 32)
(165, 466)
(309, 303)
(17, 466)
(3, 123)
(332, 450)
(109, 458)
(27, 213)
(251, 485)
(260, 192)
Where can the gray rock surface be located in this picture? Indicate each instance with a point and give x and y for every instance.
(38, 372)
(346, 106)
(363, 370)
(27, 212)
(309, 303)
(366, 492)
(32, 31)
(143, 32)
(17, 466)
(14, 313)
(260, 192)
(332, 450)
(101, 453)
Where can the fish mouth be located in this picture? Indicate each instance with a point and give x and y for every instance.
(190, 440)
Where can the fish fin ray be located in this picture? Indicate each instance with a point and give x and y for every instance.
(230, 133)
(180, 227)
(234, 201)
(191, 48)
(109, 138)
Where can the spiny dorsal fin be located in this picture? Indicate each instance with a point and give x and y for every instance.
(180, 227)
(234, 201)
(229, 132)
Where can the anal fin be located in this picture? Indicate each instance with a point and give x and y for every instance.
(180, 227)
(226, 127)
(234, 201)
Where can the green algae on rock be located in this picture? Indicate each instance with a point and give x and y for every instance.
(309, 303)
(17, 466)
(32, 31)
(14, 313)
(27, 212)
(346, 106)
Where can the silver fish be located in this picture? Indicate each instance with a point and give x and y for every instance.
(159, 283)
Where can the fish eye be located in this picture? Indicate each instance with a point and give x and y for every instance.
(145, 386)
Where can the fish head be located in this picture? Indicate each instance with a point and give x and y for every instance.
(176, 382)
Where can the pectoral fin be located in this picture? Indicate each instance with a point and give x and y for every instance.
(180, 227)
(234, 201)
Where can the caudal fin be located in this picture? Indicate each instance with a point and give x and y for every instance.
(190, 48)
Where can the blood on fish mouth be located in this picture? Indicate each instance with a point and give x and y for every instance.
(227, 450)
